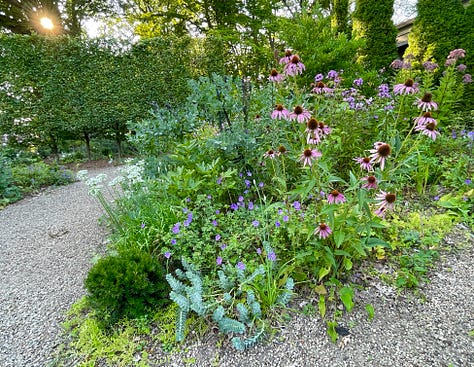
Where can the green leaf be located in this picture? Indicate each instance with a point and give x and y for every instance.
(339, 238)
(346, 294)
(323, 272)
(322, 306)
(374, 242)
(370, 311)
(332, 331)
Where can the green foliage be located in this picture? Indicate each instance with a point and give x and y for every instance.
(372, 21)
(127, 284)
(9, 192)
(414, 267)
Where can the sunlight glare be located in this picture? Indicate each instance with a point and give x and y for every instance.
(46, 23)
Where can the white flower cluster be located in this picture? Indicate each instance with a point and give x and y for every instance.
(133, 172)
(94, 183)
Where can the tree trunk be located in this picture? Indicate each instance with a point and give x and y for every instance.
(87, 139)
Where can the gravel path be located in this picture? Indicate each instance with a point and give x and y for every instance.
(46, 244)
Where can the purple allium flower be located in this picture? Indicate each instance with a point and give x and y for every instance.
(335, 197)
(457, 54)
(219, 260)
(428, 130)
(250, 205)
(287, 58)
(332, 74)
(277, 224)
(294, 67)
(358, 82)
(255, 223)
(467, 78)
(380, 152)
(449, 62)
(461, 68)
(271, 256)
(167, 254)
(425, 119)
(385, 201)
(270, 154)
(275, 76)
(286, 218)
(297, 205)
(300, 114)
(280, 113)
(214, 223)
(370, 182)
(240, 265)
(321, 88)
(259, 251)
(425, 103)
(365, 163)
(430, 66)
(143, 225)
(175, 228)
(409, 87)
(308, 156)
(318, 78)
(218, 237)
(173, 241)
(322, 230)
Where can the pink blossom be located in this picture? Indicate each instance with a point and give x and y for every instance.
(280, 112)
(308, 156)
(300, 114)
(323, 230)
(335, 197)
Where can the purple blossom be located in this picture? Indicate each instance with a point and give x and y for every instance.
(176, 228)
(318, 78)
(358, 82)
(259, 251)
(214, 223)
(223, 246)
(461, 68)
(250, 205)
(467, 181)
(384, 91)
(261, 184)
(297, 205)
(271, 256)
(436, 198)
(430, 66)
(209, 197)
(277, 224)
(219, 180)
(255, 223)
(143, 225)
(332, 74)
(249, 173)
(240, 199)
(188, 221)
(167, 254)
(219, 260)
(286, 218)
(453, 134)
(234, 206)
(218, 237)
(248, 183)
(217, 211)
(173, 241)
(467, 78)
(240, 265)
(470, 135)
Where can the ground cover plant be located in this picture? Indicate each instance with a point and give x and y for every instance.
(269, 189)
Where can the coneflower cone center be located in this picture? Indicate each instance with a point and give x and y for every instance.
(288, 53)
(308, 153)
(320, 85)
(282, 149)
(274, 72)
(371, 179)
(427, 114)
(270, 152)
(427, 97)
(312, 124)
(279, 107)
(323, 227)
(430, 126)
(384, 150)
(366, 160)
(295, 59)
(390, 198)
(409, 83)
(334, 193)
(298, 110)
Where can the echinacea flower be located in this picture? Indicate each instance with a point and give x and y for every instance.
(409, 87)
(312, 129)
(425, 103)
(324, 129)
(308, 156)
(428, 130)
(270, 154)
(321, 88)
(380, 152)
(300, 114)
(425, 119)
(365, 163)
(384, 201)
(335, 197)
(282, 150)
(280, 112)
(287, 58)
(370, 182)
(275, 76)
(322, 230)
(294, 66)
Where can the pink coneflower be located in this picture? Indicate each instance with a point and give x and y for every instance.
(425, 119)
(425, 103)
(322, 230)
(370, 182)
(270, 154)
(324, 129)
(282, 150)
(321, 88)
(275, 76)
(365, 163)
(457, 54)
(294, 67)
(280, 112)
(380, 152)
(428, 130)
(300, 114)
(409, 87)
(287, 58)
(385, 201)
(312, 128)
(308, 156)
(335, 197)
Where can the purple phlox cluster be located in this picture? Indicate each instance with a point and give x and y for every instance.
(176, 228)
(275, 76)
(189, 219)
(370, 182)
(308, 156)
(297, 205)
(384, 201)
(323, 230)
(430, 66)
(280, 113)
(354, 99)
(426, 103)
(384, 91)
(409, 87)
(358, 82)
(467, 78)
(380, 153)
(219, 260)
(335, 197)
(240, 265)
(294, 66)
(300, 114)
(318, 78)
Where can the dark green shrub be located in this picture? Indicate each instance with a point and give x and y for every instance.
(8, 191)
(31, 177)
(126, 285)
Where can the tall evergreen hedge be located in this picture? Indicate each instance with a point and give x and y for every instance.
(372, 21)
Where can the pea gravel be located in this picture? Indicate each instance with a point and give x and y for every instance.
(47, 243)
